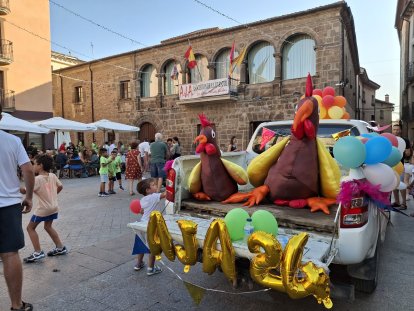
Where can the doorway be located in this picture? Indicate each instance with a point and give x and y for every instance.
(147, 131)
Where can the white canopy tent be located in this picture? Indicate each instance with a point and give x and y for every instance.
(10, 123)
(60, 125)
(106, 125)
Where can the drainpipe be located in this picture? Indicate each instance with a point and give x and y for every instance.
(92, 105)
(61, 96)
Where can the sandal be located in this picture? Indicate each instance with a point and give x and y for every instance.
(395, 204)
(132, 193)
(25, 307)
(402, 207)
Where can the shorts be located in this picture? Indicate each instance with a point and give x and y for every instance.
(45, 218)
(11, 231)
(111, 178)
(157, 170)
(104, 177)
(118, 176)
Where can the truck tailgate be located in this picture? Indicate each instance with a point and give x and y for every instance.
(286, 217)
(316, 249)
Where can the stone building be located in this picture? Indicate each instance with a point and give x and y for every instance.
(60, 60)
(365, 104)
(404, 23)
(140, 88)
(25, 78)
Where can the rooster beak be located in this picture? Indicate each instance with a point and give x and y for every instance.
(303, 113)
(202, 139)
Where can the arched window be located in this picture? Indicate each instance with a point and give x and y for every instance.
(172, 76)
(299, 57)
(148, 81)
(261, 63)
(223, 65)
(199, 72)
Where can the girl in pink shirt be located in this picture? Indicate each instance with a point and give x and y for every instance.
(47, 186)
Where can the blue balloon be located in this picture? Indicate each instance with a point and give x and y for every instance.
(370, 135)
(378, 150)
(394, 158)
(349, 152)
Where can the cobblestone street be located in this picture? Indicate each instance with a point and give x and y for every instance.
(98, 274)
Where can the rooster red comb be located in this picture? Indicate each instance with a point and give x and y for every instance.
(309, 86)
(204, 121)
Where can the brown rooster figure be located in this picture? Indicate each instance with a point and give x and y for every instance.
(295, 171)
(213, 178)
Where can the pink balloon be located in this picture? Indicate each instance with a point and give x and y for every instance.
(392, 138)
(329, 90)
(317, 92)
(328, 101)
(135, 206)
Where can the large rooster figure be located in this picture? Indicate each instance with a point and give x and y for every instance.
(298, 171)
(213, 178)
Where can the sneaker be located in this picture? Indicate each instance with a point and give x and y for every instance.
(58, 251)
(34, 257)
(139, 267)
(25, 307)
(155, 270)
(111, 192)
(104, 194)
(122, 188)
(99, 194)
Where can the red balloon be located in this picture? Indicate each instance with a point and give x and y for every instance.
(328, 101)
(329, 90)
(135, 206)
(391, 138)
(317, 92)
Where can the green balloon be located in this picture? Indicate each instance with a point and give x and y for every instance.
(265, 221)
(235, 221)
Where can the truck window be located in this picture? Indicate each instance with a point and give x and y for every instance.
(325, 132)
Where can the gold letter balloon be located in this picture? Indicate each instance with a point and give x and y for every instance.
(159, 238)
(212, 257)
(187, 254)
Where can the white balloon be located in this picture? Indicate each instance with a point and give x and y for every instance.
(392, 186)
(380, 174)
(401, 145)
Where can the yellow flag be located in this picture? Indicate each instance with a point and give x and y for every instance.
(195, 292)
(338, 135)
(237, 61)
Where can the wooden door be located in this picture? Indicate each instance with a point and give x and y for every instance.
(147, 131)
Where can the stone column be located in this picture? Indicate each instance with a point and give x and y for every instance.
(278, 66)
(160, 77)
(243, 72)
(184, 74)
(211, 71)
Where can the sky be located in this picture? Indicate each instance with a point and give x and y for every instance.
(149, 22)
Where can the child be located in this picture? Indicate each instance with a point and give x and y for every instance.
(103, 171)
(47, 186)
(148, 188)
(111, 172)
(118, 169)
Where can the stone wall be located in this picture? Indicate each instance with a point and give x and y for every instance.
(260, 102)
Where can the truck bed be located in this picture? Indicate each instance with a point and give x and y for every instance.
(286, 217)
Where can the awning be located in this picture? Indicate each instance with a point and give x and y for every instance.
(10, 123)
(61, 124)
(106, 125)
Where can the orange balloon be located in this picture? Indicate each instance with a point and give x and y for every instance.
(399, 168)
(346, 116)
(340, 101)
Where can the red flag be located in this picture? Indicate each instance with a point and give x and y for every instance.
(267, 135)
(189, 55)
(232, 54)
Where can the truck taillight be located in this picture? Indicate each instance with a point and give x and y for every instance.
(170, 185)
(354, 214)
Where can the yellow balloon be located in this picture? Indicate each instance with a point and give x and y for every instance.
(314, 281)
(212, 257)
(159, 238)
(263, 265)
(187, 254)
(335, 112)
(322, 112)
(399, 168)
(319, 99)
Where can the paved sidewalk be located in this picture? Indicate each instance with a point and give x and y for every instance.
(98, 272)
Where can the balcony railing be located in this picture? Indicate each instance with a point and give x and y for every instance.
(4, 7)
(6, 52)
(410, 72)
(7, 100)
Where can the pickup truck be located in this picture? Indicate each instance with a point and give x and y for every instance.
(349, 236)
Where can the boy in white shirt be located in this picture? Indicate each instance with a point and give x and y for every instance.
(149, 203)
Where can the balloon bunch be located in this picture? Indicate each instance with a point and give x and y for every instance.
(330, 106)
(378, 155)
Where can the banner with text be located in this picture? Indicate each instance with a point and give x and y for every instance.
(205, 88)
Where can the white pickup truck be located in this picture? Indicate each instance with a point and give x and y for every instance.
(350, 236)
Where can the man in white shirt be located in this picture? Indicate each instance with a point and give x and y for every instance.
(144, 148)
(11, 208)
(112, 146)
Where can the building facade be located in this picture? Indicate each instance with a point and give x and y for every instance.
(366, 97)
(60, 60)
(25, 77)
(404, 23)
(150, 87)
